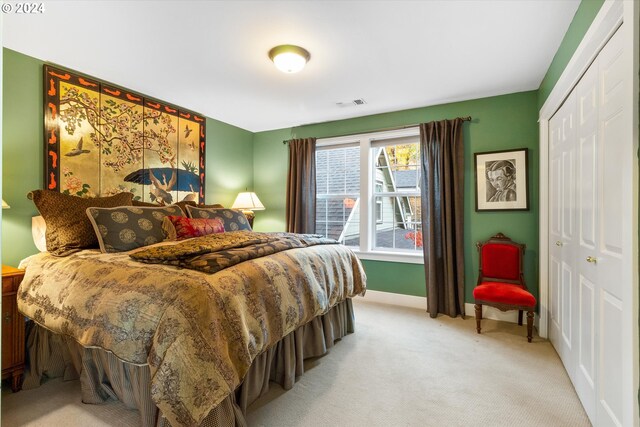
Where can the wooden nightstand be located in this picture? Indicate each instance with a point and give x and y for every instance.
(12, 328)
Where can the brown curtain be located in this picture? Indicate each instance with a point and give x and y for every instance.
(442, 191)
(301, 186)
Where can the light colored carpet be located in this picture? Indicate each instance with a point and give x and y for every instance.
(400, 368)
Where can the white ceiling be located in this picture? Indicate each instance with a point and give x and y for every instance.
(211, 57)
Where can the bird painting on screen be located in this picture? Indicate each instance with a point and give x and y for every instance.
(78, 150)
(191, 197)
(161, 190)
(187, 131)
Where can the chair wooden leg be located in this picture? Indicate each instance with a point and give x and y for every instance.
(478, 308)
(519, 317)
(529, 325)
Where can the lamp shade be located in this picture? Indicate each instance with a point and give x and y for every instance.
(5, 205)
(248, 200)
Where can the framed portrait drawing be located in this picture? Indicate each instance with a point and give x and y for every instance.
(502, 180)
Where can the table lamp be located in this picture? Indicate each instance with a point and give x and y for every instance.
(248, 202)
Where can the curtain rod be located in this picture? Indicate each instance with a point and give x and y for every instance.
(464, 119)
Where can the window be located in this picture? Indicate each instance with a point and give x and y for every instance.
(338, 194)
(398, 164)
(379, 205)
(368, 193)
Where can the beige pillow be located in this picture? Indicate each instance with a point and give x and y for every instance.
(39, 232)
(68, 227)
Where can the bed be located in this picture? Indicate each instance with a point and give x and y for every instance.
(187, 348)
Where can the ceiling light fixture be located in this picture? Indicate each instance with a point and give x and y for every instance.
(289, 58)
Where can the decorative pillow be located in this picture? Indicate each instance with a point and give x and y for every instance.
(129, 227)
(183, 204)
(233, 220)
(140, 203)
(181, 227)
(68, 228)
(39, 232)
(215, 206)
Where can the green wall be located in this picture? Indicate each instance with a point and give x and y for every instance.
(499, 123)
(583, 18)
(229, 154)
(237, 159)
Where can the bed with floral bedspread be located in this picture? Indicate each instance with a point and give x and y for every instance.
(198, 333)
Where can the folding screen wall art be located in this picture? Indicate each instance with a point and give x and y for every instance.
(101, 139)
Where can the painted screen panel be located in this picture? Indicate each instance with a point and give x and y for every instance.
(160, 174)
(78, 153)
(121, 141)
(101, 139)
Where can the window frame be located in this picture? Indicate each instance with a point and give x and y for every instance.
(379, 204)
(367, 141)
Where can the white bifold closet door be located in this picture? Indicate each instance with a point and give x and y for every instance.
(562, 238)
(589, 290)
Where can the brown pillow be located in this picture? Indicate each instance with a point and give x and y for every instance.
(145, 204)
(183, 204)
(68, 227)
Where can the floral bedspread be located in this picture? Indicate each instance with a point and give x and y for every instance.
(199, 333)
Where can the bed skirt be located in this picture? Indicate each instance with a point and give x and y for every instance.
(103, 376)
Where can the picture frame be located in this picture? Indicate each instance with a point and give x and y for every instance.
(101, 139)
(502, 180)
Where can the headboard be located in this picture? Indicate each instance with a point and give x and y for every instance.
(101, 139)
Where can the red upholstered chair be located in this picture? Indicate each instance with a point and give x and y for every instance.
(501, 281)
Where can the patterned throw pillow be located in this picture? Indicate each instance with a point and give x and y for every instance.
(183, 204)
(233, 220)
(181, 227)
(68, 228)
(129, 227)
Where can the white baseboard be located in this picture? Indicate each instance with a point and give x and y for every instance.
(395, 299)
(503, 316)
(421, 303)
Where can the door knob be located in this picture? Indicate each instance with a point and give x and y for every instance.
(558, 243)
(591, 259)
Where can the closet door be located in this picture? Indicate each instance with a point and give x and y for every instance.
(591, 253)
(588, 146)
(612, 257)
(562, 239)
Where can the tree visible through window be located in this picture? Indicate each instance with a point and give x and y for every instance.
(398, 166)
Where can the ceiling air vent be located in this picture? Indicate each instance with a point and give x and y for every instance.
(358, 101)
